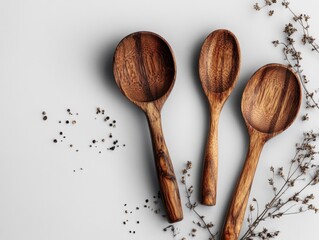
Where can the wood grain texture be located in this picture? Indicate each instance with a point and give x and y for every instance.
(271, 99)
(240, 198)
(144, 69)
(270, 103)
(219, 65)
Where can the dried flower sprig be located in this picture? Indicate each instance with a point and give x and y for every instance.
(291, 54)
(301, 19)
(202, 223)
(174, 230)
(288, 189)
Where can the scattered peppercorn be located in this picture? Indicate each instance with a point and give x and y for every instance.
(114, 144)
(305, 117)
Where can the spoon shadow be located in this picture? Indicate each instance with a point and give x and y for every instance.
(235, 104)
(203, 103)
(105, 68)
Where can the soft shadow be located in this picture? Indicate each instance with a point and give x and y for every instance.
(105, 65)
(204, 104)
(236, 102)
(236, 108)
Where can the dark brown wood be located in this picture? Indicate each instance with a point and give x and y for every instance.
(219, 65)
(270, 103)
(145, 70)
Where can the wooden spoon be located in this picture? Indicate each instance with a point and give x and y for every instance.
(144, 69)
(219, 64)
(270, 103)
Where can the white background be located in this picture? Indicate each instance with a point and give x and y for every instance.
(51, 58)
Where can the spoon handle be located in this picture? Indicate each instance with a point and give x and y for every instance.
(210, 169)
(165, 172)
(238, 205)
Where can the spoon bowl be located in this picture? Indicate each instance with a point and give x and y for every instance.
(271, 99)
(144, 69)
(270, 104)
(219, 62)
(219, 65)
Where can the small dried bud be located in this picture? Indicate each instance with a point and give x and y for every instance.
(276, 43)
(285, 4)
(305, 117)
(257, 7)
(289, 29)
(251, 208)
(189, 165)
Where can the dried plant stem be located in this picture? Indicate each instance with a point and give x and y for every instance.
(189, 203)
(292, 55)
(192, 205)
(302, 168)
(297, 68)
(305, 28)
(264, 215)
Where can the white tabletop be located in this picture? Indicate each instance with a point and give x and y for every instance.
(51, 58)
